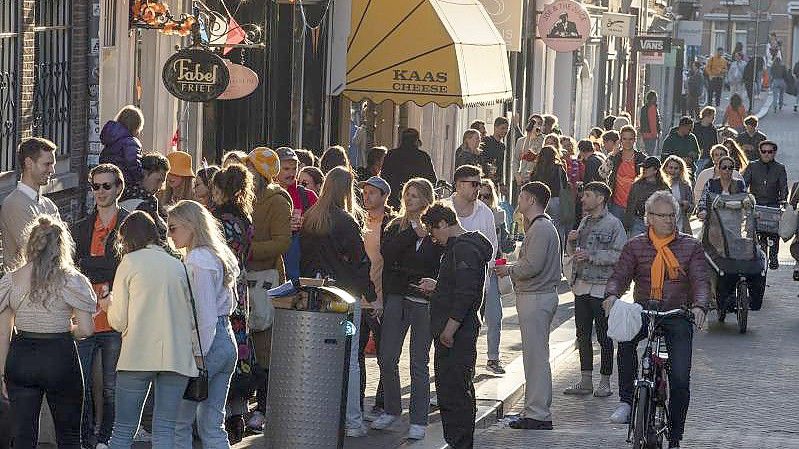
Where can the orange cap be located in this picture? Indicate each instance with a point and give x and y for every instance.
(180, 164)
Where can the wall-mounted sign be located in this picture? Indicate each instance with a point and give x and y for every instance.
(651, 58)
(195, 75)
(564, 25)
(243, 82)
(619, 25)
(690, 31)
(657, 44)
(507, 17)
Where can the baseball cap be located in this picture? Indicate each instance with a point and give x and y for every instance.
(286, 153)
(378, 183)
(651, 161)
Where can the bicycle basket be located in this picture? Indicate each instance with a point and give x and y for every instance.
(767, 219)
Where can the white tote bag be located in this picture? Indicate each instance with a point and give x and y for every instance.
(788, 222)
(624, 321)
(262, 311)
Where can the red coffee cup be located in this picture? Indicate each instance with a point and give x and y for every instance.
(500, 262)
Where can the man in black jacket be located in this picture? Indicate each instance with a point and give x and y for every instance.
(97, 258)
(454, 305)
(406, 162)
(494, 149)
(768, 182)
(750, 139)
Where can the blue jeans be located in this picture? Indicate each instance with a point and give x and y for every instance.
(778, 92)
(132, 388)
(354, 413)
(220, 363)
(493, 315)
(108, 345)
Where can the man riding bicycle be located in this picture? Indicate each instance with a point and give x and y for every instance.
(669, 269)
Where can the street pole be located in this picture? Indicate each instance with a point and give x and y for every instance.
(729, 27)
(297, 75)
(754, 59)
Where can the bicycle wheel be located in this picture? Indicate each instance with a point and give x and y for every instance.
(640, 419)
(742, 302)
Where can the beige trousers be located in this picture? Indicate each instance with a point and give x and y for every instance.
(536, 311)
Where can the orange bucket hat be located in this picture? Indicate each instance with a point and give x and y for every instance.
(265, 161)
(180, 164)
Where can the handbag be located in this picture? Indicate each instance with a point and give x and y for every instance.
(261, 309)
(624, 321)
(197, 388)
(788, 222)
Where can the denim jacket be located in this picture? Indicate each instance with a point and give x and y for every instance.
(603, 237)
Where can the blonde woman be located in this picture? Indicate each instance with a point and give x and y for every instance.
(213, 271)
(41, 298)
(469, 151)
(677, 177)
(332, 246)
(151, 307)
(409, 255)
(179, 180)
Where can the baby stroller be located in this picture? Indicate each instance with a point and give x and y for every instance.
(729, 237)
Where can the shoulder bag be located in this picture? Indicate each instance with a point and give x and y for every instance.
(197, 388)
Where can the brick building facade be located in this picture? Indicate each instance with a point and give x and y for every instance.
(44, 47)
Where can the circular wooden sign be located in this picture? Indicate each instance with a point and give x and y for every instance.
(243, 82)
(195, 75)
(564, 25)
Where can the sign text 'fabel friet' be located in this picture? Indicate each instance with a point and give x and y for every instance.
(195, 75)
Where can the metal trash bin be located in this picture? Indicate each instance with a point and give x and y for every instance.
(308, 377)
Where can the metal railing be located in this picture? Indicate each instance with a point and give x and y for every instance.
(9, 82)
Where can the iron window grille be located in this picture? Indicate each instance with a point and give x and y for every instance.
(52, 78)
(9, 81)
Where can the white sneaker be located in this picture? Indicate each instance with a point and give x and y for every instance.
(142, 436)
(356, 432)
(416, 432)
(101, 446)
(373, 414)
(256, 421)
(434, 400)
(384, 421)
(622, 414)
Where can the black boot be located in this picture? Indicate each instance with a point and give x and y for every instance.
(235, 428)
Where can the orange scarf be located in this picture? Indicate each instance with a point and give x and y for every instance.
(664, 260)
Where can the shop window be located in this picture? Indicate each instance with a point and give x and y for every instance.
(9, 81)
(52, 76)
(109, 23)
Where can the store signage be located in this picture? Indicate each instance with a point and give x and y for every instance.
(651, 58)
(243, 82)
(420, 81)
(618, 25)
(656, 44)
(507, 17)
(195, 75)
(564, 25)
(690, 31)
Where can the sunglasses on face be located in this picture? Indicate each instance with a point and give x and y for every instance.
(767, 151)
(104, 185)
(726, 167)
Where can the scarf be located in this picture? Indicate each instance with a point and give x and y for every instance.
(664, 260)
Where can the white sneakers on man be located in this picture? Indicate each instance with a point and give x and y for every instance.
(416, 432)
(356, 432)
(622, 414)
(384, 421)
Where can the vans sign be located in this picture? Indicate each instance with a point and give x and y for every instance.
(654, 44)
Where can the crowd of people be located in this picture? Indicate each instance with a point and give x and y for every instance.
(165, 281)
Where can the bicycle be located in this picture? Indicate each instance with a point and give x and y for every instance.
(741, 304)
(649, 423)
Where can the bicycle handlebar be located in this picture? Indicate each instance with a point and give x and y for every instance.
(665, 313)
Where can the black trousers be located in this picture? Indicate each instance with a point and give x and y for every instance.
(587, 313)
(714, 89)
(679, 341)
(773, 251)
(39, 367)
(369, 324)
(454, 370)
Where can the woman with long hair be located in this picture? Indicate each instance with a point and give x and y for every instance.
(41, 298)
(649, 181)
(202, 185)
(712, 172)
(234, 157)
(271, 216)
(335, 156)
(332, 246)
(311, 178)
(179, 180)
(677, 176)
(151, 307)
(735, 113)
(550, 170)
(409, 255)
(213, 270)
(736, 153)
(469, 151)
(232, 194)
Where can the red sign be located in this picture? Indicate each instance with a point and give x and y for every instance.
(243, 82)
(564, 25)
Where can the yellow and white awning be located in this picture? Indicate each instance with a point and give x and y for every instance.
(440, 51)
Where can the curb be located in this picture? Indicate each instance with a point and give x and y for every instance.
(495, 396)
(766, 106)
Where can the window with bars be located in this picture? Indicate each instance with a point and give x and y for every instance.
(52, 80)
(9, 81)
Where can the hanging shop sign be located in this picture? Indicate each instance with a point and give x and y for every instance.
(507, 17)
(618, 25)
(243, 82)
(564, 25)
(656, 44)
(195, 75)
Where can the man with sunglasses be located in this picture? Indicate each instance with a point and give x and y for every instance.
(95, 239)
(670, 272)
(768, 182)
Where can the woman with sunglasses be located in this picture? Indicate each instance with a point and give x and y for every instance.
(713, 172)
(725, 184)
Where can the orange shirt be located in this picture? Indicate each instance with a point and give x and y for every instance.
(735, 117)
(652, 119)
(624, 182)
(97, 249)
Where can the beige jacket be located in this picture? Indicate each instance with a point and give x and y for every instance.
(151, 309)
(17, 212)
